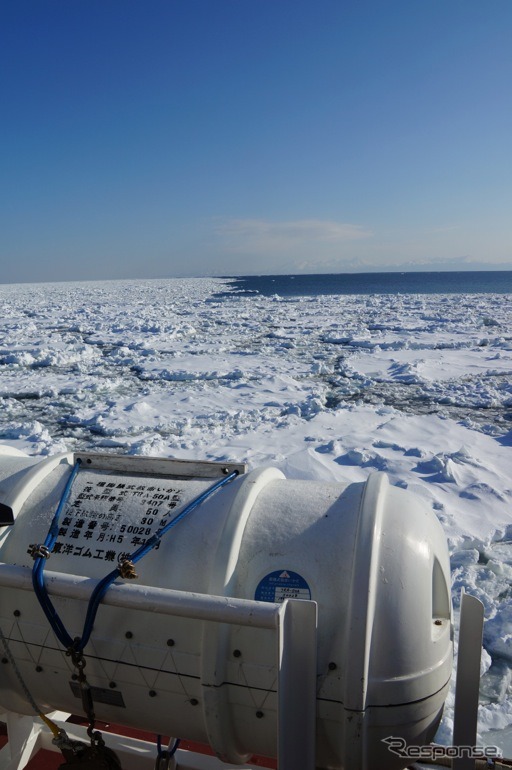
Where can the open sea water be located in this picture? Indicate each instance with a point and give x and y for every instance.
(463, 282)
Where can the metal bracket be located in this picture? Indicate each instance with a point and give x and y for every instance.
(157, 466)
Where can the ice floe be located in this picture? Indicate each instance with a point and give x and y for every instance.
(328, 387)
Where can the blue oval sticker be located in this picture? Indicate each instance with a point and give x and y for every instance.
(280, 585)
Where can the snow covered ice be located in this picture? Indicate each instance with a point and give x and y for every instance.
(328, 387)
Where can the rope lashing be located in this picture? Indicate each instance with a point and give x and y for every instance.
(103, 586)
(124, 570)
(37, 710)
(39, 553)
(36, 550)
(127, 570)
(164, 756)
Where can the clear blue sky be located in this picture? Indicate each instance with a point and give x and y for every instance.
(148, 138)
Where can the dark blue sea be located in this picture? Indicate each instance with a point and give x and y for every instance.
(499, 282)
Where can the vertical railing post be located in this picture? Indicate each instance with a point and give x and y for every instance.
(297, 685)
(467, 683)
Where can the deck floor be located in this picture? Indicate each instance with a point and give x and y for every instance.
(50, 760)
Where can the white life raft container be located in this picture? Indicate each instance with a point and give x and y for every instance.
(372, 556)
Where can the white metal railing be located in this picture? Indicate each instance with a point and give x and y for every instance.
(294, 620)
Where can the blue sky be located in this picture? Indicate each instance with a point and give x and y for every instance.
(154, 138)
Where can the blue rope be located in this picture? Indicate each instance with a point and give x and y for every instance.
(170, 751)
(164, 756)
(104, 584)
(39, 561)
(78, 643)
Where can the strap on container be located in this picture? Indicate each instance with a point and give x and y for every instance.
(125, 569)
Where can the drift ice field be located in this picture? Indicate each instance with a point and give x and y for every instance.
(325, 387)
